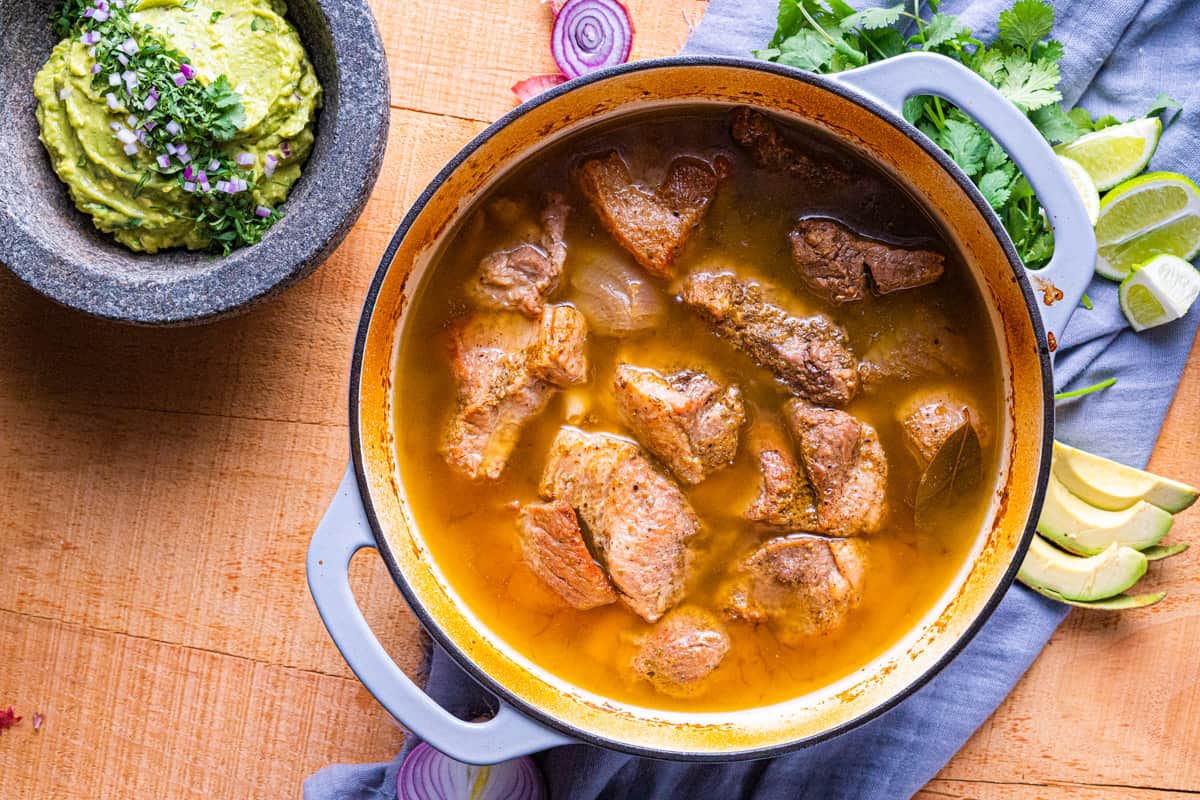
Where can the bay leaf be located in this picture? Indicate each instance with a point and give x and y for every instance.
(955, 468)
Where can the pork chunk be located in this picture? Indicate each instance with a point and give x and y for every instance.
(553, 547)
(929, 416)
(652, 225)
(811, 354)
(521, 278)
(846, 466)
(639, 519)
(924, 344)
(507, 368)
(681, 651)
(761, 137)
(833, 262)
(686, 419)
(785, 497)
(801, 585)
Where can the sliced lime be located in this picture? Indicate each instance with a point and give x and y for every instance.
(1116, 153)
(1084, 185)
(1161, 290)
(1156, 213)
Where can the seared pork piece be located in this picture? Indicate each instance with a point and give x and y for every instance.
(801, 585)
(507, 368)
(931, 415)
(923, 345)
(681, 651)
(833, 262)
(652, 225)
(554, 549)
(639, 519)
(758, 134)
(810, 354)
(688, 420)
(785, 498)
(846, 465)
(520, 279)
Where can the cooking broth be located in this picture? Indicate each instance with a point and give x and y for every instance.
(470, 526)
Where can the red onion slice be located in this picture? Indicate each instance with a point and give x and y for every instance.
(427, 774)
(532, 87)
(590, 34)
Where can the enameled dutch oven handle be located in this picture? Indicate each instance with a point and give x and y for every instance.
(344, 531)
(1070, 270)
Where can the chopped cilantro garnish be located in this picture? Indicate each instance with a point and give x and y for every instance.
(830, 36)
(216, 15)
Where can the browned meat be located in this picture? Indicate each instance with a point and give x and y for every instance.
(811, 354)
(681, 651)
(757, 133)
(507, 367)
(846, 465)
(923, 345)
(685, 419)
(801, 585)
(833, 262)
(639, 519)
(520, 279)
(652, 226)
(554, 549)
(931, 415)
(785, 498)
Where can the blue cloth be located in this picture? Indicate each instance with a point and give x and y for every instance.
(1119, 54)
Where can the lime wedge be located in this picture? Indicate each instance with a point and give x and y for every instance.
(1116, 153)
(1161, 290)
(1155, 213)
(1084, 185)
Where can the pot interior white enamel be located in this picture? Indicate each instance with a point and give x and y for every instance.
(1022, 439)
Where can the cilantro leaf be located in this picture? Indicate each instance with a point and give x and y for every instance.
(230, 115)
(872, 18)
(1082, 119)
(941, 29)
(1026, 24)
(1056, 125)
(1164, 107)
(995, 188)
(967, 144)
(1030, 85)
(806, 50)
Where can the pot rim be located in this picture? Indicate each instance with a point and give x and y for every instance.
(383, 545)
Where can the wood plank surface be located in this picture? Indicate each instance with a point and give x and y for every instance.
(159, 487)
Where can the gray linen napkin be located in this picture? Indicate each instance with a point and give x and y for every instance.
(1119, 54)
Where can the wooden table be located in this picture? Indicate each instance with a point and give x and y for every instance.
(159, 487)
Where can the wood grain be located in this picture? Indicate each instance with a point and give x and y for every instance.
(158, 490)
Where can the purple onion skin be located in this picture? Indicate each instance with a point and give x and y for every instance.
(427, 774)
(590, 34)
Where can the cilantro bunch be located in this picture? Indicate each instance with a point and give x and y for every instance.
(830, 36)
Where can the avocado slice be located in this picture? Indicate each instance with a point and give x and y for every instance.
(1161, 551)
(1082, 528)
(1094, 578)
(1112, 486)
(1121, 602)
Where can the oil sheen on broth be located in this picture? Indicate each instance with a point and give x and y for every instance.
(470, 527)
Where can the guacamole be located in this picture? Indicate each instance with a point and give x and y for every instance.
(178, 123)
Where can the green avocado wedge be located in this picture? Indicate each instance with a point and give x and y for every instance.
(1081, 579)
(1113, 486)
(1160, 551)
(1121, 602)
(1080, 527)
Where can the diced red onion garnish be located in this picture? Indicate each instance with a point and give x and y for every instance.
(532, 87)
(269, 165)
(151, 102)
(189, 173)
(245, 159)
(204, 187)
(184, 158)
(129, 46)
(100, 16)
(116, 126)
(88, 13)
(181, 147)
(170, 148)
(202, 176)
(427, 774)
(91, 37)
(150, 125)
(164, 161)
(214, 165)
(222, 186)
(126, 136)
(262, 211)
(189, 186)
(112, 100)
(119, 3)
(590, 34)
(130, 149)
(114, 79)
(141, 137)
(121, 57)
(173, 128)
(187, 70)
(96, 68)
(64, 93)
(285, 148)
(131, 121)
(92, 53)
(179, 79)
(240, 185)
(130, 77)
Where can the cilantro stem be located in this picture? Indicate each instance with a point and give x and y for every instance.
(1095, 387)
(814, 24)
(863, 35)
(1087, 302)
